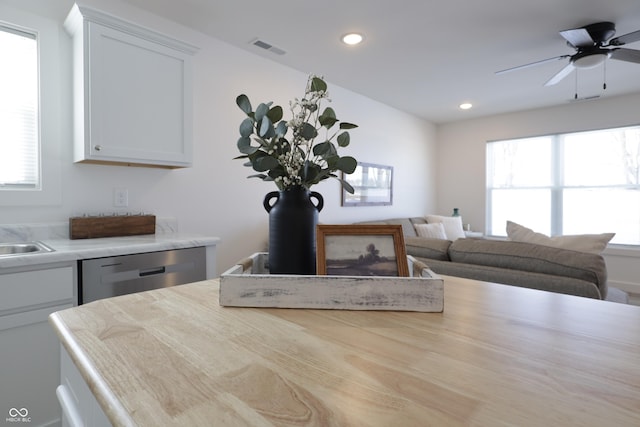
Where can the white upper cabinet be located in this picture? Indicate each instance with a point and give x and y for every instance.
(132, 92)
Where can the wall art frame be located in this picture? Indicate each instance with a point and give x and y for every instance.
(372, 184)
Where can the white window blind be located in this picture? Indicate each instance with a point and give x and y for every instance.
(19, 122)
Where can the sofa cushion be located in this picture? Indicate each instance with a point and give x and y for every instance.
(417, 220)
(425, 247)
(532, 258)
(540, 281)
(433, 231)
(594, 243)
(452, 225)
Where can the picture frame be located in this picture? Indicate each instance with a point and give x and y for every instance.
(361, 250)
(372, 184)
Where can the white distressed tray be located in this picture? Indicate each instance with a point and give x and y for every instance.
(249, 284)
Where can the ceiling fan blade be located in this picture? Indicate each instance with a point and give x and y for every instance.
(578, 37)
(532, 64)
(627, 38)
(629, 55)
(560, 74)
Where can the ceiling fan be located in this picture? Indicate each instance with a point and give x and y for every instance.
(592, 49)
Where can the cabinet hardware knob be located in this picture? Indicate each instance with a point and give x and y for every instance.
(98, 147)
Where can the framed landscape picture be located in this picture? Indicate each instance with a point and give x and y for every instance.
(372, 184)
(361, 250)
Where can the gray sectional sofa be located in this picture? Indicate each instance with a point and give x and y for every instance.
(512, 263)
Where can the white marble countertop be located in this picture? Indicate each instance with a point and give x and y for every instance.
(71, 250)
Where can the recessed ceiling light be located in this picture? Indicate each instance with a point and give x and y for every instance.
(466, 105)
(352, 39)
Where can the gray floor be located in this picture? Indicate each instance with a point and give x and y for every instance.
(634, 299)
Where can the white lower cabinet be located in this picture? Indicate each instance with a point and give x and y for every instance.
(79, 406)
(28, 345)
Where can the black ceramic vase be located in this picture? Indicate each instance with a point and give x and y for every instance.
(292, 230)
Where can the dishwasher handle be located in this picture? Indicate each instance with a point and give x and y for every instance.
(152, 271)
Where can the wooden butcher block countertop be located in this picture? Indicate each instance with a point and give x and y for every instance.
(497, 355)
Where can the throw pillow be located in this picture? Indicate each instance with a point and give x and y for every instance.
(591, 243)
(452, 225)
(434, 231)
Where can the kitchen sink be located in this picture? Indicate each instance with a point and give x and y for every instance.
(23, 248)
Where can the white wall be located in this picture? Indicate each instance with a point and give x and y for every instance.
(214, 197)
(461, 160)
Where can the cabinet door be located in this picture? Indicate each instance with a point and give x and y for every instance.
(29, 357)
(30, 370)
(139, 100)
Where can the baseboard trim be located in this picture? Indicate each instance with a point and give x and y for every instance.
(629, 287)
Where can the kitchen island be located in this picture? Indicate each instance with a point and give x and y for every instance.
(497, 355)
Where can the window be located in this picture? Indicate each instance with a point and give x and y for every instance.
(19, 123)
(44, 187)
(574, 183)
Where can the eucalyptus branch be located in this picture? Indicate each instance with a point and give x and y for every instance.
(282, 158)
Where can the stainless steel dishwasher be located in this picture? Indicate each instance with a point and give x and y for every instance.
(126, 274)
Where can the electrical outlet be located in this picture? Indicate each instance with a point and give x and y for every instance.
(120, 197)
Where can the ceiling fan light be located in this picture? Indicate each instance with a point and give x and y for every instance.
(590, 60)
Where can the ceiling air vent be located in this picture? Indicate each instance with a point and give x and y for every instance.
(268, 46)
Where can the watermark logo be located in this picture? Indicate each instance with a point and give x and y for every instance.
(18, 416)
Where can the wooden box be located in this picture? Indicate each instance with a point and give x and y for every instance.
(91, 227)
(249, 284)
